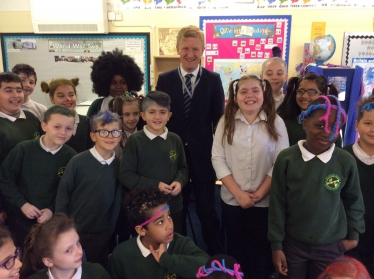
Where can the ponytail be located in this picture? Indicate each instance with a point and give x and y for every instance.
(230, 111)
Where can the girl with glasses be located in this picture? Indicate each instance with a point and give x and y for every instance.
(10, 264)
(300, 93)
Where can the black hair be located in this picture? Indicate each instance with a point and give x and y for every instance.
(141, 202)
(291, 109)
(5, 235)
(112, 63)
(25, 69)
(57, 110)
(156, 97)
(8, 77)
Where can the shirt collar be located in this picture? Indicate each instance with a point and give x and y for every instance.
(11, 118)
(151, 136)
(77, 275)
(184, 73)
(27, 104)
(101, 159)
(307, 156)
(129, 134)
(76, 122)
(46, 148)
(361, 155)
(145, 251)
(261, 116)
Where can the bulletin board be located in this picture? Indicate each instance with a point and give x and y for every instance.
(71, 56)
(358, 50)
(238, 45)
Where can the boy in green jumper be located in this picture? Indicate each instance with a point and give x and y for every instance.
(31, 172)
(314, 219)
(157, 252)
(154, 157)
(90, 192)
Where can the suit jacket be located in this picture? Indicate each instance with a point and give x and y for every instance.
(206, 109)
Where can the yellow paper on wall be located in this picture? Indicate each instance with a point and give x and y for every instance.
(318, 29)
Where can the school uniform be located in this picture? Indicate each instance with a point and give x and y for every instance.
(80, 140)
(14, 130)
(249, 160)
(365, 165)
(196, 133)
(35, 108)
(30, 174)
(98, 105)
(118, 150)
(315, 202)
(90, 192)
(278, 100)
(131, 260)
(148, 160)
(85, 271)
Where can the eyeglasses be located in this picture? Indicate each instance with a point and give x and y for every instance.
(9, 263)
(310, 92)
(105, 133)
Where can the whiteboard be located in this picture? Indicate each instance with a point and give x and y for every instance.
(71, 56)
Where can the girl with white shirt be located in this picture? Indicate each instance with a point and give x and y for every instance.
(53, 250)
(247, 141)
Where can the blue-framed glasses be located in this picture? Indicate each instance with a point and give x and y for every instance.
(9, 263)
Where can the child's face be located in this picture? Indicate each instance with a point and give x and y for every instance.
(156, 118)
(28, 84)
(67, 252)
(365, 127)
(7, 251)
(250, 97)
(65, 96)
(304, 100)
(317, 140)
(160, 230)
(11, 97)
(58, 130)
(130, 116)
(118, 86)
(104, 145)
(275, 73)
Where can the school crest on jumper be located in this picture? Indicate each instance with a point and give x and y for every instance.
(170, 276)
(173, 155)
(332, 182)
(61, 171)
(36, 135)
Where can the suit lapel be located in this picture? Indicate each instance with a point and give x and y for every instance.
(198, 94)
(176, 92)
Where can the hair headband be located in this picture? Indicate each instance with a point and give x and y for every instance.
(368, 107)
(327, 106)
(216, 266)
(158, 213)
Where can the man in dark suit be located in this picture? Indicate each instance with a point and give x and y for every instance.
(197, 103)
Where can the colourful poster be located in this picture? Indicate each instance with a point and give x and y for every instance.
(368, 78)
(235, 46)
(75, 45)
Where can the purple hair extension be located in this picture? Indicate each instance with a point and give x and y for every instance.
(327, 106)
(217, 266)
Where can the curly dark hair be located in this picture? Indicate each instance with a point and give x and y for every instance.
(109, 64)
(141, 202)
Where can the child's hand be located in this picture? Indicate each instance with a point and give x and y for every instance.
(163, 187)
(244, 200)
(279, 261)
(157, 254)
(349, 244)
(30, 211)
(46, 215)
(176, 188)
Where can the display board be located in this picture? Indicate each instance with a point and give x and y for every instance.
(238, 45)
(70, 56)
(358, 50)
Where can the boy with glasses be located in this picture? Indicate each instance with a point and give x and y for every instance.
(90, 192)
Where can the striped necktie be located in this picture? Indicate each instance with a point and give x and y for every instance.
(187, 95)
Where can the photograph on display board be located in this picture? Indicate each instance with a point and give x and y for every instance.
(238, 45)
(167, 41)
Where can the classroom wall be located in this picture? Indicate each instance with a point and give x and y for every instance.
(337, 21)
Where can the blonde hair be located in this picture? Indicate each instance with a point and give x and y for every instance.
(190, 31)
(52, 86)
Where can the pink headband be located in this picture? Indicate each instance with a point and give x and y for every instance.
(158, 213)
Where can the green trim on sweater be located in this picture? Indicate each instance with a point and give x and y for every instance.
(304, 204)
(182, 258)
(91, 193)
(30, 174)
(145, 163)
